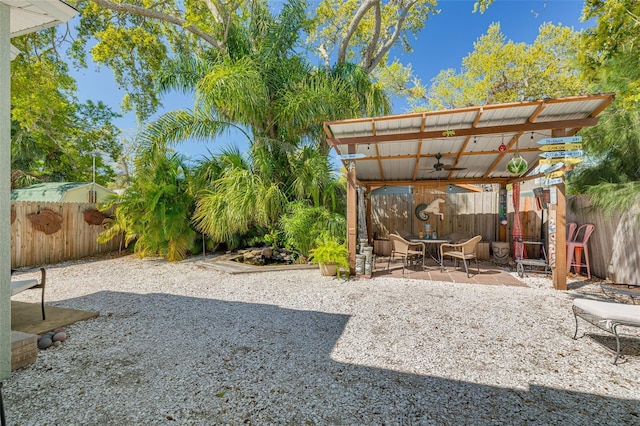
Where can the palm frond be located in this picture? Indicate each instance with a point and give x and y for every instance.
(615, 197)
(235, 90)
(182, 74)
(181, 125)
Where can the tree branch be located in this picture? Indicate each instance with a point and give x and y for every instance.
(148, 13)
(353, 25)
(219, 13)
(376, 35)
(325, 57)
(394, 37)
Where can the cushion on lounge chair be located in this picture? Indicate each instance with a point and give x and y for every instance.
(612, 311)
(607, 316)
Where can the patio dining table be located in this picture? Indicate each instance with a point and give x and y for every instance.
(432, 247)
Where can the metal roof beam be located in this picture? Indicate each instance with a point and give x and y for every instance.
(489, 130)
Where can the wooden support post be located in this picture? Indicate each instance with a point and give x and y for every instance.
(559, 267)
(367, 200)
(352, 216)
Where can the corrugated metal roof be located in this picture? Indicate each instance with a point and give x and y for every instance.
(48, 191)
(402, 149)
(27, 16)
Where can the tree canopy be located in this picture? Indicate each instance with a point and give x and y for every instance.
(500, 70)
(53, 135)
(609, 53)
(134, 38)
(610, 59)
(262, 85)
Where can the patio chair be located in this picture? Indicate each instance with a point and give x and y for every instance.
(18, 286)
(406, 235)
(462, 251)
(571, 230)
(408, 250)
(457, 237)
(580, 241)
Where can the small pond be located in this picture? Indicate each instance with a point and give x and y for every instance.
(265, 256)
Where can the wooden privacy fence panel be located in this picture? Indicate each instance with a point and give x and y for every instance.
(613, 246)
(473, 212)
(476, 213)
(391, 212)
(74, 240)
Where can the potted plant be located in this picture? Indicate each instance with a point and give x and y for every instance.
(331, 255)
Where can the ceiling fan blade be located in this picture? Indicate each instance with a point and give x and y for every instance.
(450, 168)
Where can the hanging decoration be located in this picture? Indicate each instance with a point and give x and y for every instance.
(503, 206)
(517, 165)
(517, 234)
(421, 212)
(94, 217)
(502, 147)
(362, 219)
(46, 221)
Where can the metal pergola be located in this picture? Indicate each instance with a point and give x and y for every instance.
(474, 144)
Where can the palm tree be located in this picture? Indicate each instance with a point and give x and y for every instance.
(238, 200)
(155, 211)
(263, 86)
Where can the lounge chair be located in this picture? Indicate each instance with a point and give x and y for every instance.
(607, 316)
(18, 286)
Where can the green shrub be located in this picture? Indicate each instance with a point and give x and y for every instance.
(330, 250)
(303, 225)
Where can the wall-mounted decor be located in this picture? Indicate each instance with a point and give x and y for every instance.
(94, 217)
(423, 210)
(46, 221)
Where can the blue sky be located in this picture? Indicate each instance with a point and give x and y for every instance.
(447, 38)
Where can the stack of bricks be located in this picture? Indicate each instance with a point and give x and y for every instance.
(24, 349)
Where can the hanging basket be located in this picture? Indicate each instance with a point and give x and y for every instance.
(517, 165)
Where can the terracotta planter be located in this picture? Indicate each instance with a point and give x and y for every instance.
(328, 269)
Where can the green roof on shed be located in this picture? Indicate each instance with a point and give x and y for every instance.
(45, 192)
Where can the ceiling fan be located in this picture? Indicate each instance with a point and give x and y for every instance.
(438, 166)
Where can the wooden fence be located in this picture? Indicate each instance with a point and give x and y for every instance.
(476, 213)
(74, 240)
(613, 247)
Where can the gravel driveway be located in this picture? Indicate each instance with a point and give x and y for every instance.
(184, 344)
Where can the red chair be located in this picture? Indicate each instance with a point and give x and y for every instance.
(580, 240)
(571, 230)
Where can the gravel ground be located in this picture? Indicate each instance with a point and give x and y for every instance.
(183, 343)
